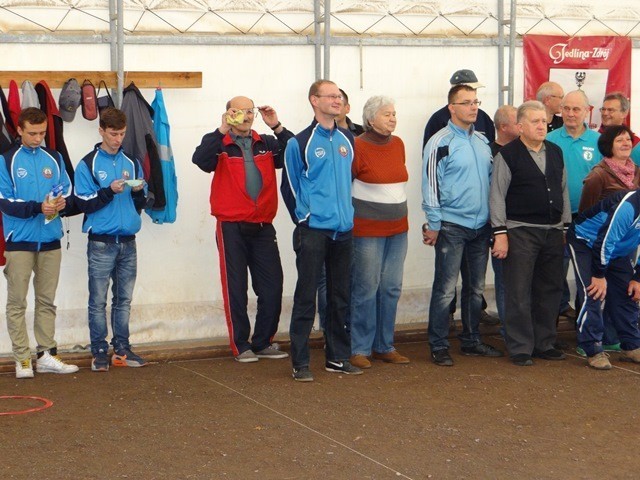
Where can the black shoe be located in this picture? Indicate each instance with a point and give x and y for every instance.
(569, 313)
(561, 345)
(551, 354)
(488, 319)
(482, 350)
(342, 367)
(522, 360)
(442, 358)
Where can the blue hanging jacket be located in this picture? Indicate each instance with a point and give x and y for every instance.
(162, 131)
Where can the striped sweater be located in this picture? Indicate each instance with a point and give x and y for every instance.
(379, 188)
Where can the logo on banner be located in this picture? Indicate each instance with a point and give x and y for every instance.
(559, 52)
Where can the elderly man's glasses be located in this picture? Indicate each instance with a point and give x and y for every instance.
(475, 103)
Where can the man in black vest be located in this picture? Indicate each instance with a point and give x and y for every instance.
(529, 211)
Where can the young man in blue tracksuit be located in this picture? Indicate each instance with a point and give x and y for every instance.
(456, 173)
(34, 187)
(109, 189)
(603, 241)
(316, 186)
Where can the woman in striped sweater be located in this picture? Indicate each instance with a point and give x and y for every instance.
(379, 234)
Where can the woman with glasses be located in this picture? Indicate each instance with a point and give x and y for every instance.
(379, 235)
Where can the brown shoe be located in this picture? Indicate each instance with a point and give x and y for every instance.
(360, 361)
(631, 356)
(391, 357)
(600, 361)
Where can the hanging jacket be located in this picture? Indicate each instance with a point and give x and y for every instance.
(14, 102)
(8, 120)
(29, 96)
(170, 181)
(140, 141)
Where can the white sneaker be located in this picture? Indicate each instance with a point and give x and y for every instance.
(48, 363)
(24, 369)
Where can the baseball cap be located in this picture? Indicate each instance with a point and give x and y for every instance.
(465, 77)
(70, 99)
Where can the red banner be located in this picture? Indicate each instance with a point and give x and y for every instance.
(596, 65)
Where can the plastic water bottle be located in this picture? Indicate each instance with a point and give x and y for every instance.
(55, 192)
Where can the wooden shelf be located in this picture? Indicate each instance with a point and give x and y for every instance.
(56, 79)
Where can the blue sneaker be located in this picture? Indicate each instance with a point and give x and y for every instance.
(100, 362)
(126, 358)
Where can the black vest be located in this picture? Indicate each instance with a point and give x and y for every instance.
(534, 197)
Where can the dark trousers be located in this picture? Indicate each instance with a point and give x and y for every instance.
(532, 275)
(313, 250)
(251, 247)
(620, 308)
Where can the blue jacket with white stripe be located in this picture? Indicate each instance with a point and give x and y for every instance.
(316, 182)
(108, 214)
(27, 176)
(456, 176)
(611, 228)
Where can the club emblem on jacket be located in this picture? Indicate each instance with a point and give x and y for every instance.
(320, 152)
(125, 174)
(47, 172)
(21, 173)
(343, 150)
(102, 175)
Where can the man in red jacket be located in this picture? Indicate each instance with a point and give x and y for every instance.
(244, 201)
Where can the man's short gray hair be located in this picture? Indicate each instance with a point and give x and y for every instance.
(624, 101)
(502, 115)
(373, 105)
(546, 90)
(527, 106)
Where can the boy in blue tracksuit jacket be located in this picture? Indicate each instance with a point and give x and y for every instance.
(603, 241)
(316, 186)
(34, 186)
(109, 189)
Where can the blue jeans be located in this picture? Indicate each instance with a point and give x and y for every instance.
(376, 285)
(115, 262)
(313, 250)
(464, 250)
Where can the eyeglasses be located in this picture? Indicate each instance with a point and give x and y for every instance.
(475, 103)
(248, 111)
(609, 110)
(556, 96)
(332, 97)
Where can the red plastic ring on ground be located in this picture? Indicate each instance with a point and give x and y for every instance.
(46, 403)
